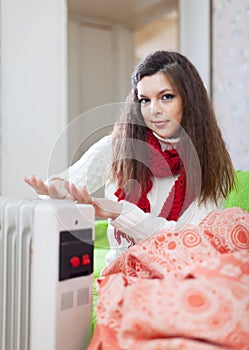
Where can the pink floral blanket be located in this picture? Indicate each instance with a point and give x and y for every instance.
(185, 290)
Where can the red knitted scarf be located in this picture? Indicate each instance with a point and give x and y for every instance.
(162, 164)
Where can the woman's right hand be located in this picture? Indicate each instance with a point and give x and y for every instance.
(58, 189)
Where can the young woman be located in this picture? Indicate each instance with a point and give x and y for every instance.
(165, 164)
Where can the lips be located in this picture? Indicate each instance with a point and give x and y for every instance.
(160, 123)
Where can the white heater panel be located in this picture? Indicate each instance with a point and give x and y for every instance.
(45, 300)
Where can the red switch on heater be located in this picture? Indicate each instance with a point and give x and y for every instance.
(85, 259)
(75, 261)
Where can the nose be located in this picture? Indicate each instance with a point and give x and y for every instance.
(155, 108)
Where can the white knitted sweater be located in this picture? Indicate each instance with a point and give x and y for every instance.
(91, 171)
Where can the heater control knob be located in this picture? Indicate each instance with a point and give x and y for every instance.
(75, 261)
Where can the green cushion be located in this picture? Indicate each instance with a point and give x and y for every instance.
(239, 196)
(101, 248)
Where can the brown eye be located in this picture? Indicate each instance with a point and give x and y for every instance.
(143, 101)
(168, 97)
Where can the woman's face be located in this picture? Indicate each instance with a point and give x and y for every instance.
(161, 105)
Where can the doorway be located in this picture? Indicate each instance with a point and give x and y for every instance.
(105, 41)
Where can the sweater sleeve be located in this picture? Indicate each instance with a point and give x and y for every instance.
(90, 170)
(139, 225)
(136, 223)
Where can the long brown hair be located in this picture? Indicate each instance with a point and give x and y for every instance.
(199, 123)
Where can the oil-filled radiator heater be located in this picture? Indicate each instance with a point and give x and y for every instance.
(46, 274)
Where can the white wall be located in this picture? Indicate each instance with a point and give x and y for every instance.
(194, 40)
(33, 99)
(231, 76)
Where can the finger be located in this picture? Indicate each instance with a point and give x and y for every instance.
(107, 207)
(41, 186)
(67, 190)
(68, 196)
(67, 186)
(27, 180)
(32, 181)
(86, 195)
(53, 192)
(75, 194)
(81, 196)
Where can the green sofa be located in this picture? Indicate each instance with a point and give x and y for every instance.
(239, 196)
(101, 247)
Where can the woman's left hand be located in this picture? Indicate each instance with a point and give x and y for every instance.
(104, 208)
